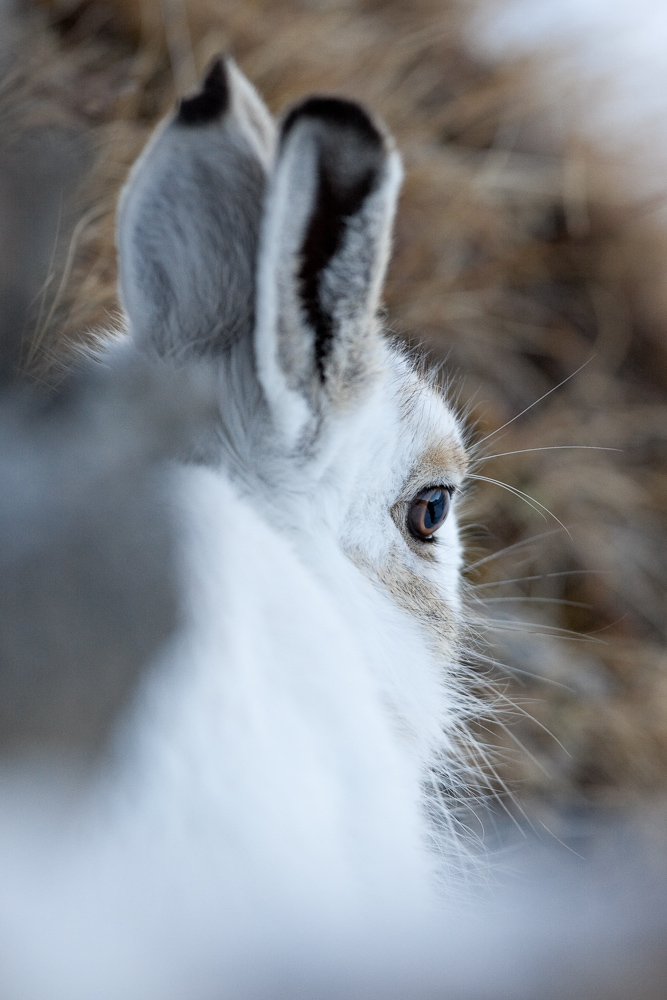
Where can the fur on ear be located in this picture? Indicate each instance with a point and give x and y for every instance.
(325, 247)
(189, 220)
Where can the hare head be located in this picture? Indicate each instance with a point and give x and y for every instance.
(262, 256)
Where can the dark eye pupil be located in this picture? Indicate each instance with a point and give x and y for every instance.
(427, 511)
(435, 508)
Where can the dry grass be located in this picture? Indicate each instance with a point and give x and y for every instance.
(516, 261)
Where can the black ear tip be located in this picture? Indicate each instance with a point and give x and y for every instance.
(338, 113)
(212, 101)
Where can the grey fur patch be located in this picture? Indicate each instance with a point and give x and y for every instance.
(189, 221)
(88, 591)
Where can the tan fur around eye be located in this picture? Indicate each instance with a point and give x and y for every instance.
(417, 596)
(443, 464)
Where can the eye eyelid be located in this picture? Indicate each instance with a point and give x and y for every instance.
(447, 487)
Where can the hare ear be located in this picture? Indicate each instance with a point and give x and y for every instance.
(189, 219)
(325, 246)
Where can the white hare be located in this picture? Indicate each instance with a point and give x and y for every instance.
(280, 779)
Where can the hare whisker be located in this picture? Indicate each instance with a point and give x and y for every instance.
(550, 447)
(539, 576)
(511, 548)
(563, 602)
(544, 396)
(510, 625)
(531, 501)
(512, 671)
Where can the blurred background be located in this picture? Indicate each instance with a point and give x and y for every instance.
(530, 260)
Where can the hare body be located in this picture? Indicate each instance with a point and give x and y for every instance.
(276, 777)
(324, 426)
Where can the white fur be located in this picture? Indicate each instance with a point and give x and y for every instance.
(264, 795)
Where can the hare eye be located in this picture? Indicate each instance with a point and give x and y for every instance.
(427, 511)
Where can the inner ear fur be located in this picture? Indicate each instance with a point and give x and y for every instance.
(328, 230)
(350, 160)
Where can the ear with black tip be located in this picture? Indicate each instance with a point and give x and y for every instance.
(212, 101)
(189, 220)
(325, 247)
